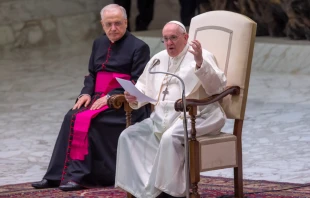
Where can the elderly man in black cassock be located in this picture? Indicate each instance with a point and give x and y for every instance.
(85, 151)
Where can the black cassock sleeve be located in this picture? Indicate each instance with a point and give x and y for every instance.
(89, 81)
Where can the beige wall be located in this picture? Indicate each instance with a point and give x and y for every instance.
(35, 23)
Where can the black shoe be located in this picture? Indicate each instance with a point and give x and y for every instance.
(71, 186)
(44, 183)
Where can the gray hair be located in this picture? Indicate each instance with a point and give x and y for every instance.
(113, 7)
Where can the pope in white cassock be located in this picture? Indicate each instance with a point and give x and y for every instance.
(150, 154)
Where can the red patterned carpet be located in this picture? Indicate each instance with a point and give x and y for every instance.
(210, 187)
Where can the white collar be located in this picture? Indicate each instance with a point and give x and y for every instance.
(179, 56)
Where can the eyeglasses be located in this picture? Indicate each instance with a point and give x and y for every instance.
(172, 38)
(110, 24)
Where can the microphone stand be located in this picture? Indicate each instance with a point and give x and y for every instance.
(156, 61)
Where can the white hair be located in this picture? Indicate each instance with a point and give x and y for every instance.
(113, 7)
(182, 27)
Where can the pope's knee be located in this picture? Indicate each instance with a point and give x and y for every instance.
(166, 139)
(172, 138)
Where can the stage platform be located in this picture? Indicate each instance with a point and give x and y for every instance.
(38, 86)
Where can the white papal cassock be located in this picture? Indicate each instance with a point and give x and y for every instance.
(150, 155)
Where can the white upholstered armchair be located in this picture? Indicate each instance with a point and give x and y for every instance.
(230, 37)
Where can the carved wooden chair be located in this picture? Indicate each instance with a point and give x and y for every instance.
(230, 37)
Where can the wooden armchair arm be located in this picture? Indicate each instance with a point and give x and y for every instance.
(116, 102)
(178, 105)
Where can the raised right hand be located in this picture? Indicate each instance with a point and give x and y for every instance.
(84, 100)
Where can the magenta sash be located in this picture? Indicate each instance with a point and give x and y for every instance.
(105, 82)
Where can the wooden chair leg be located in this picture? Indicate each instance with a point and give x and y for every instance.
(238, 173)
(194, 194)
(194, 167)
(238, 180)
(130, 195)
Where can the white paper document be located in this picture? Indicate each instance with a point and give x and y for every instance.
(130, 88)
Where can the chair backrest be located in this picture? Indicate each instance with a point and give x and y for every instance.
(230, 37)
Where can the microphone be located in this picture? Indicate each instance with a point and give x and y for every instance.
(187, 176)
(155, 62)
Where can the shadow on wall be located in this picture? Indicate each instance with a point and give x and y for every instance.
(277, 18)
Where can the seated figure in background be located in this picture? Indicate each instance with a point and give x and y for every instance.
(85, 151)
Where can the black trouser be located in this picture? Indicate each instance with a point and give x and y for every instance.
(98, 167)
(145, 16)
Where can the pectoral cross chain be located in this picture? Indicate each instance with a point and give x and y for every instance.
(165, 92)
